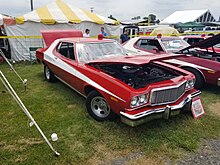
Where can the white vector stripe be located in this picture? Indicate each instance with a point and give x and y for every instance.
(183, 63)
(48, 56)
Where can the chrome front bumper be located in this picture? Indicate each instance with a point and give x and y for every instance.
(164, 112)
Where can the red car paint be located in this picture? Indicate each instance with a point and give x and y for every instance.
(119, 79)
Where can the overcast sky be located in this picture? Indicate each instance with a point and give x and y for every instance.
(120, 9)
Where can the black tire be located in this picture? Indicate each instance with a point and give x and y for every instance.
(98, 108)
(200, 82)
(48, 74)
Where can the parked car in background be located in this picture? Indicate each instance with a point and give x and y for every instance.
(191, 39)
(207, 47)
(136, 88)
(214, 49)
(181, 54)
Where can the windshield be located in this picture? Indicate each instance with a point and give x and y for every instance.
(174, 45)
(92, 51)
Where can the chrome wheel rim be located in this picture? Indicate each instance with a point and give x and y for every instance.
(100, 107)
(47, 72)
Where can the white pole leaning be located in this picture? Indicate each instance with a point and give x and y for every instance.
(11, 66)
(20, 103)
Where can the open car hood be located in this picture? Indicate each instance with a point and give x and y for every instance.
(51, 35)
(133, 59)
(209, 42)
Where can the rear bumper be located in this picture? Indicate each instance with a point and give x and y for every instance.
(163, 112)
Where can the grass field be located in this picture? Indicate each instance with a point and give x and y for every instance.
(82, 140)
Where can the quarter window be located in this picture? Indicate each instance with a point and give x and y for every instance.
(66, 49)
(148, 44)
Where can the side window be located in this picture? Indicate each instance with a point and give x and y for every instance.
(147, 44)
(66, 49)
(190, 41)
(194, 40)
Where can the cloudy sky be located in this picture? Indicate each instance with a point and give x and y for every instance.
(120, 9)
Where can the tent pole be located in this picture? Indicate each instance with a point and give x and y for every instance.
(20, 103)
(23, 81)
(32, 6)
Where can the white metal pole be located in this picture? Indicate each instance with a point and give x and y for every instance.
(3, 55)
(20, 103)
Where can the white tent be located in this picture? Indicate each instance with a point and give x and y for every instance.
(1, 19)
(189, 16)
(56, 15)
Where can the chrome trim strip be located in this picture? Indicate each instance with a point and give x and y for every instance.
(148, 112)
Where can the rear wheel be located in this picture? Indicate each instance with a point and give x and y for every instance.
(98, 107)
(199, 78)
(48, 74)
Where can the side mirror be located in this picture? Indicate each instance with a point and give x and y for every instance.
(156, 50)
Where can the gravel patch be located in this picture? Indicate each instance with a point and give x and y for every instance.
(124, 160)
(209, 154)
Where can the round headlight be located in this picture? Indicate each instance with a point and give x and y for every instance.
(134, 101)
(191, 83)
(142, 98)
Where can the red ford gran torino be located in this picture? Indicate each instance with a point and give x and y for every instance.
(181, 54)
(136, 88)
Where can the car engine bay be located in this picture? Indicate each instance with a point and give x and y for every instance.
(137, 76)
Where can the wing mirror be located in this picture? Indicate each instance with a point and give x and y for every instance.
(156, 50)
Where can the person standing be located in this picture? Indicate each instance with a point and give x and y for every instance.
(124, 37)
(86, 34)
(103, 32)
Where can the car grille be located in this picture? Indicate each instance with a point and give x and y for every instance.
(167, 95)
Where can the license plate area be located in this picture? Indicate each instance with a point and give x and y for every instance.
(197, 108)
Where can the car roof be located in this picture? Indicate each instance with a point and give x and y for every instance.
(196, 36)
(163, 37)
(84, 40)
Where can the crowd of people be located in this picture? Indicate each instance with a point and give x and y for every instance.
(103, 34)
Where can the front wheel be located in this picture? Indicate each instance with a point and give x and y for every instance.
(98, 108)
(48, 74)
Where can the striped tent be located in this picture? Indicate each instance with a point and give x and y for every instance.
(61, 12)
(25, 34)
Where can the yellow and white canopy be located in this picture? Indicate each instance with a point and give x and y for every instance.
(61, 12)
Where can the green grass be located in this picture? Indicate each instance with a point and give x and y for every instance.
(82, 140)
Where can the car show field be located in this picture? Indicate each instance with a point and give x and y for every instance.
(59, 109)
(89, 83)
